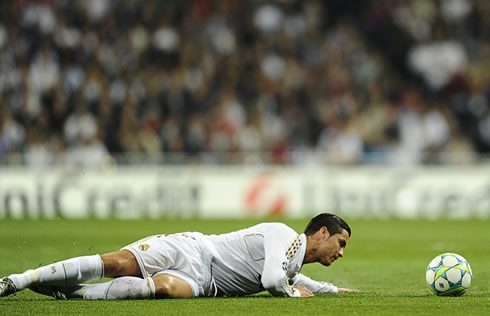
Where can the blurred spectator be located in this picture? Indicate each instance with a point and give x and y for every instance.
(424, 130)
(438, 61)
(80, 126)
(91, 153)
(12, 133)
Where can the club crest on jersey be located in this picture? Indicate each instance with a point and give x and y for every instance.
(144, 247)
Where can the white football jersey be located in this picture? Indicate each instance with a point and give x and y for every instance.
(267, 256)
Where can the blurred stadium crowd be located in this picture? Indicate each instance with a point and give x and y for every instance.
(341, 82)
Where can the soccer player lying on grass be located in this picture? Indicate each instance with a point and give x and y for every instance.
(266, 256)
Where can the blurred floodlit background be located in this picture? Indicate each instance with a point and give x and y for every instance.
(129, 108)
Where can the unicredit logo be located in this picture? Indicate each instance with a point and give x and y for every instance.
(265, 197)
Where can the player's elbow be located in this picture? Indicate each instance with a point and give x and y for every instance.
(273, 283)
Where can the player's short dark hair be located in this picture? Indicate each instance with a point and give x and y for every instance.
(333, 223)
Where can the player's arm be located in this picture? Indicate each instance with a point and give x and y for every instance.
(274, 278)
(318, 287)
(314, 286)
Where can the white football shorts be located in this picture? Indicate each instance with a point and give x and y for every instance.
(182, 255)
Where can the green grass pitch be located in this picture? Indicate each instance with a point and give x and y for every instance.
(385, 259)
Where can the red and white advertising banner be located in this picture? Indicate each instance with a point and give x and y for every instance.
(239, 192)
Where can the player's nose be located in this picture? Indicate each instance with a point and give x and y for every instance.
(341, 252)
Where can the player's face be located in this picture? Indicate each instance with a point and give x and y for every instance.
(332, 247)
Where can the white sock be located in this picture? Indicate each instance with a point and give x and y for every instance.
(117, 289)
(64, 273)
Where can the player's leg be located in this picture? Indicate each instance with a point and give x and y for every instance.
(160, 286)
(116, 264)
(71, 272)
(170, 261)
(120, 263)
(171, 286)
(119, 288)
(130, 283)
(63, 273)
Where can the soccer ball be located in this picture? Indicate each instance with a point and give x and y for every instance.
(449, 274)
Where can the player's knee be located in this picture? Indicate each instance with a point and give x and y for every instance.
(120, 263)
(167, 286)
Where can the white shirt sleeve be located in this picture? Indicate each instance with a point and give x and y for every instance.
(314, 286)
(277, 245)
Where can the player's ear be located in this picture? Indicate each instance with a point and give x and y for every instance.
(319, 235)
(325, 233)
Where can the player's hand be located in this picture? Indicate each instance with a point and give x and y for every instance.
(344, 290)
(304, 291)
